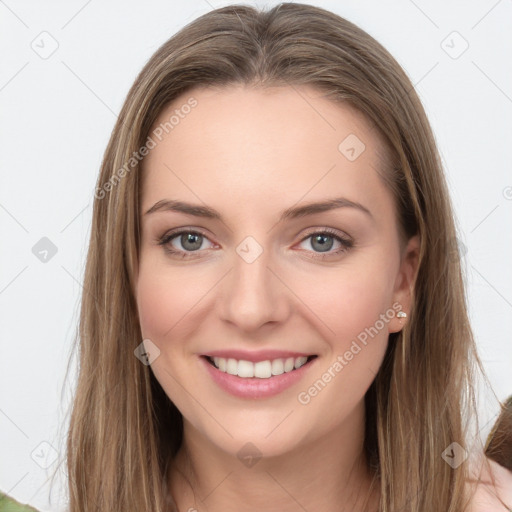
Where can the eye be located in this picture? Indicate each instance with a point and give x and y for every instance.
(323, 241)
(183, 243)
(190, 241)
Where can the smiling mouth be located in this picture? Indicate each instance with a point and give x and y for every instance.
(261, 369)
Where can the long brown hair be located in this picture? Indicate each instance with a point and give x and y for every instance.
(124, 430)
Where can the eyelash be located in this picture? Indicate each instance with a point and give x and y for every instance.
(165, 240)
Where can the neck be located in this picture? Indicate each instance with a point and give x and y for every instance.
(327, 473)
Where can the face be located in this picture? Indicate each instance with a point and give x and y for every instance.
(255, 281)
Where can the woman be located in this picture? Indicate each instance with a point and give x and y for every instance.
(311, 348)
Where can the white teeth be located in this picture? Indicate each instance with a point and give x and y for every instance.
(232, 367)
(300, 361)
(277, 367)
(289, 364)
(261, 369)
(245, 369)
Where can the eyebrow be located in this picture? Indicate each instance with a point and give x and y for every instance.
(288, 214)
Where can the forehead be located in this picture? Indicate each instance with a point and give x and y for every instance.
(260, 146)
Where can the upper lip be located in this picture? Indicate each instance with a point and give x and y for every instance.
(256, 355)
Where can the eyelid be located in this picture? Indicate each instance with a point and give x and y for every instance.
(330, 231)
(168, 235)
(345, 240)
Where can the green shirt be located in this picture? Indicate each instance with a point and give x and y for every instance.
(7, 504)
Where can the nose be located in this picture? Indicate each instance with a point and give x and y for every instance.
(253, 294)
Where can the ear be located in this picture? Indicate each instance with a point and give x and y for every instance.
(404, 283)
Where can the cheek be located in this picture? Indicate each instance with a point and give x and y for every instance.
(164, 298)
(349, 300)
(156, 305)
(356, 342)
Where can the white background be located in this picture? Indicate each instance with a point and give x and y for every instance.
(56, 118)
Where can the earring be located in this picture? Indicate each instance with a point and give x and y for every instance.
(401, 314)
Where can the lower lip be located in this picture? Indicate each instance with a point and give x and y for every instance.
(255, 387)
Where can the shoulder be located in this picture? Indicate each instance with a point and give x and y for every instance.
(10, 504)
(488, 497)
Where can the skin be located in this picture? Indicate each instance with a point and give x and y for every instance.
(251, 153)
(493, 489)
